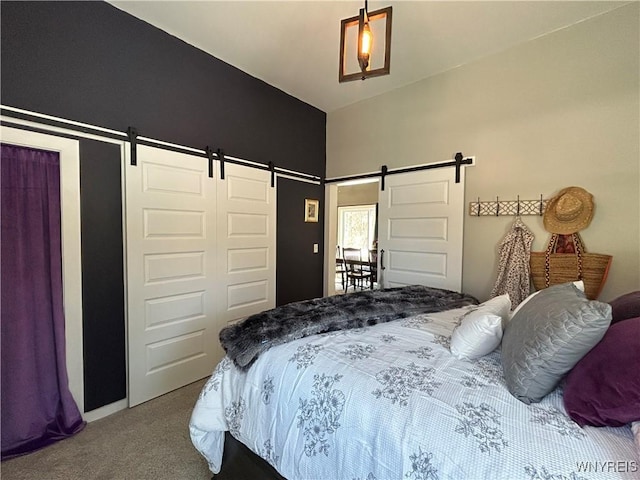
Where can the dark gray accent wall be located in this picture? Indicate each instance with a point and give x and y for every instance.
(298, 266)
(92, 63)
(103, 309)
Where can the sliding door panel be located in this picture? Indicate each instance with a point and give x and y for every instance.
(246, 242)
(420, 229)
(171, 272)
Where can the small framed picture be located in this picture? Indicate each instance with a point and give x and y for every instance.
(311, 208)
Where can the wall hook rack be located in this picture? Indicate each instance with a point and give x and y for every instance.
(499, 208)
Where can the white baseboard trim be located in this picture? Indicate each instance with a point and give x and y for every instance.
(105, 411)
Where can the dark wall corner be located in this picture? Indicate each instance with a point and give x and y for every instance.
(299, 270)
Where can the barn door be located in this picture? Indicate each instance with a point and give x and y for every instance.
(246, 242)
(420, 229)
(171, 272)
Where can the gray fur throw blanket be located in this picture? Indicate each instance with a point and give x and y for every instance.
(246, 340)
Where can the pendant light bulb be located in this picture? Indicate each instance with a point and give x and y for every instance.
(367, 40)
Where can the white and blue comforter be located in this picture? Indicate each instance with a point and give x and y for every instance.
(391, 402)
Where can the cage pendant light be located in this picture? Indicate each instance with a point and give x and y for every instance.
(373, 59)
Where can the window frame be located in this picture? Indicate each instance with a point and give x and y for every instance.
(371, 211)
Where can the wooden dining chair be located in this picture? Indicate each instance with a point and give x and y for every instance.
(356, 274)
(341, 269)
(373, 267)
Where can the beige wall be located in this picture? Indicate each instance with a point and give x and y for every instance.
(560, 110)
(362, 194)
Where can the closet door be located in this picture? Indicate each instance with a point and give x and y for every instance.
(171, 272)
(420, 229)
(246, 242)
(71, 245)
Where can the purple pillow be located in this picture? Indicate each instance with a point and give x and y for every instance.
(625, 306)
(603, 389)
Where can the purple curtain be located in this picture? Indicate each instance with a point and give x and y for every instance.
(37, 406)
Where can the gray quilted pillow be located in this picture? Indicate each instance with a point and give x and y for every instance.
(547, 337)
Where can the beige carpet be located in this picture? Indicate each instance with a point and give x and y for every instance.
(150, 441)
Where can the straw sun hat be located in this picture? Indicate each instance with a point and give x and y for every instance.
(570, 211)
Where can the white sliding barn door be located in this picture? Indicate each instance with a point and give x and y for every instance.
(420, 229)
(246, 242)
(171, 272)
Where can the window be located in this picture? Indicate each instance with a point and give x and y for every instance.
(357, 227)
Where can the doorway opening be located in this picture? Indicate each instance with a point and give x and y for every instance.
(351, 222)
(357, 242)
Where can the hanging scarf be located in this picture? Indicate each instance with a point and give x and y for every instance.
(513, 266)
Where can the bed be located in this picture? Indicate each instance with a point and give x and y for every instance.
(389, 400)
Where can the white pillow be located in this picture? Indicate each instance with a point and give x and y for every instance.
(480, 332)
(578, 283)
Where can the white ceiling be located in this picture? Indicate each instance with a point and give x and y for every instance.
(294, 45)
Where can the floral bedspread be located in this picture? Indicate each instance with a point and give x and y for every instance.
(390, 402)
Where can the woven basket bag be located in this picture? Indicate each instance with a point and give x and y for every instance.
(550, 268)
